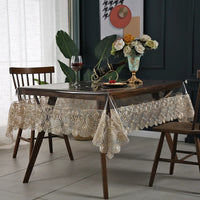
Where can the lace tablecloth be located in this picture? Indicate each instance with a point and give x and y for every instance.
(82, 117)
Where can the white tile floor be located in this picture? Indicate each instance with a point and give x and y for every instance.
(55, 177)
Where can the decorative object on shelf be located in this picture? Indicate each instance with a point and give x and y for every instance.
(133, 49)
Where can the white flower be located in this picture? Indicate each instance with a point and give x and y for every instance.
(145, 38)
(119, 44)
(155, 44)
(134, 43)
(139, 49)
(127, 51)
(149, 44)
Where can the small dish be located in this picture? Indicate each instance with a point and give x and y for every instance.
(114, 85)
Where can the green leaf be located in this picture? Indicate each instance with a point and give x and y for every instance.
(104, 47)
(87, 75)
(40, 82)
(70, 75)
(66, 44)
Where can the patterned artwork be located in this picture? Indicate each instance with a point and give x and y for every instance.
(111, 21)
(108, 5)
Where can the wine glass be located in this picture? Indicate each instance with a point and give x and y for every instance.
(76, 65)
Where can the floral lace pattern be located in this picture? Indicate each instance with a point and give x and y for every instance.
(110, 134)
(79, 117)
(68, 116)
(126, 119)
(144, 115)
(22, 114)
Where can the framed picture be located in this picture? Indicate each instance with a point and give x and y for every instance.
(121, 17)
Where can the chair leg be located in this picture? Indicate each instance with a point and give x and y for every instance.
(50, 142)
(34, 155)
(68, 147)
(17, 143)
(170, 142)
(156, 160)
(173, 155)
(31, 142)
(197, 144)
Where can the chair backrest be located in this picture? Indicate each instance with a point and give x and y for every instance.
(197, 103)
(31, 76)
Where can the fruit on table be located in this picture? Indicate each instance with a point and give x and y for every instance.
(112, 81)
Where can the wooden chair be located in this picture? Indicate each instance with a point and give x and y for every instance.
(176, 128)
(32, 76)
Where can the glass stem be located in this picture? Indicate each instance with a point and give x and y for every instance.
(76, 82)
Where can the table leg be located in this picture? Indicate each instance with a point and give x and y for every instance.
(34, 155)
(104, 175)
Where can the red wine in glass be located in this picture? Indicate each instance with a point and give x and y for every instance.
(76, 65)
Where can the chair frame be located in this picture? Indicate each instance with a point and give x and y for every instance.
(23, 74)
(195, 130)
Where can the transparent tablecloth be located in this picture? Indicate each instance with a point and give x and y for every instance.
(109, 130)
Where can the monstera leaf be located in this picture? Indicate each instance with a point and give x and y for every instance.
(68, 48)
(104, 47)
(66, 44)
(70, 75)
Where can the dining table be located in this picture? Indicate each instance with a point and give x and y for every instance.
(107, 112)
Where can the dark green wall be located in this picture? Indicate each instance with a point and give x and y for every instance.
(90, 31)
(174, 23)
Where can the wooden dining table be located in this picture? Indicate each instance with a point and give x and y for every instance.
(104, 96)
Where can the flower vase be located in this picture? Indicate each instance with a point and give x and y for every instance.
(133, 64)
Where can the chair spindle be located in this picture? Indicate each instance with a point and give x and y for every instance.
(45, 78)
(18, 83)
(22, 78)
(27, 79)
(39, 80)
(14, 81)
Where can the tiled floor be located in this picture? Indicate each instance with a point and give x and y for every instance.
(55, 177)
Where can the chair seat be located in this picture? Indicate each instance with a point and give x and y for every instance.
(178, 127)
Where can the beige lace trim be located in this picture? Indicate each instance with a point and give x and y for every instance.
(152, 113)
(77, 117)
(126, 119)
(82, 118)
(110, 134)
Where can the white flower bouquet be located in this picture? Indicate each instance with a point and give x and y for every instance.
(129, 45)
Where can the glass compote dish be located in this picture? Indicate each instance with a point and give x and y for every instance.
(76, 65)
